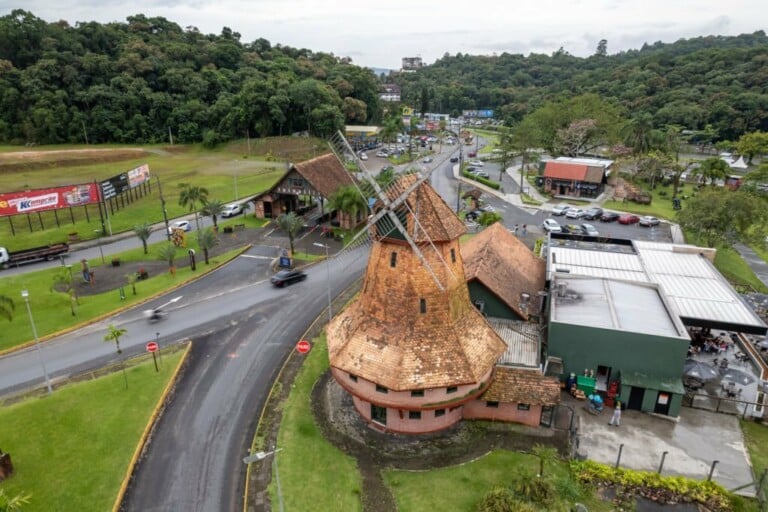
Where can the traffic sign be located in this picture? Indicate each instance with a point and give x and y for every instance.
(151, 346)
(303, 346)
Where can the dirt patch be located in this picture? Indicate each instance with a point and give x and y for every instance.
(35, 160)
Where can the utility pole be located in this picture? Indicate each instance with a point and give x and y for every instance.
(162, 202)
(461, 161)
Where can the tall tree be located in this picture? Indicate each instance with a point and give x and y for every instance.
(193, 197)
(713, 169)
(751, 144)
(291, 224)
(602, 48)
(143, 231)
(347, 199)
(721, 216)
(213, 208)
(206, 240)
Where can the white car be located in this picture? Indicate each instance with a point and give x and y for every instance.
(551, 226)
(183, 225)
(648, 221)
(589, 230)
(427, 160)
(363, 156)
(575, 213)
(382, 153)
(560, 209)
(476, 163)
(231, 210)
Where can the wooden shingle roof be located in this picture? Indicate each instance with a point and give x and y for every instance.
(325, 173)
(504, 265)
(437, 222)
(515, 385)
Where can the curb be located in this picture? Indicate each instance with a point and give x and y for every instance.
(104, 316)
(156, 413)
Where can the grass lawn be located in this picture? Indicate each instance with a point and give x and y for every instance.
(460, 488)
(314, 475)
(220, 171)
(71, 450)
(756, 436)
(51, 309)
(733, 267)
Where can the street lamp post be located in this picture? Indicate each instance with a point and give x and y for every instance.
(328, 275)
(162, 203)
(259, 456)
(25, 295)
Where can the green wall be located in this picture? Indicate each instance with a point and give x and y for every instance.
(583, 347)
(649, 400)
(493, 305)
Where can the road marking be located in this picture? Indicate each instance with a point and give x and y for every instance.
(256, 257)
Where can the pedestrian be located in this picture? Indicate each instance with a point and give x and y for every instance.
(525, 229)
(616, 418)
(515, 230)
(86, 270)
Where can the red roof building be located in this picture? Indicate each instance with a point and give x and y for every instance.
(576, 177)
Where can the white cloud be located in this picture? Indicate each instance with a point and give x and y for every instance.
(381, 34)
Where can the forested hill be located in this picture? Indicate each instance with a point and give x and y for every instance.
(716, 82)
(135, 81)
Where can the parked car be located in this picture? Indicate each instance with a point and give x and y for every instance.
(551, 226)
(628, 218)
(476, 163)
(382, 153)
(560, 209)
(427, 160)
(231, 210)
(363, 156)
(609, 217)
(478, 172)
(454, 159)
(574, 213)
(589, 230)
(472, 154)
(183, 225)
(593, 213)
(286, 277)
(648, 221)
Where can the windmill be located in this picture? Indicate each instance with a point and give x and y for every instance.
(392, 200)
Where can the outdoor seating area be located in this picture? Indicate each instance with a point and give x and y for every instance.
(718, 367)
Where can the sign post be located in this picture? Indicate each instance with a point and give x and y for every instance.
(152, 347)
(303, 347)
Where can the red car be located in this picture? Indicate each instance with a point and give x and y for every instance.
(628, 218)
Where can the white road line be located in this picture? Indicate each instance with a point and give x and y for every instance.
(256, 257)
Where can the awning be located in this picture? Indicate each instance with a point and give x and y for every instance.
(647, 381)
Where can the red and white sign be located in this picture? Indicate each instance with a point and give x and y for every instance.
(303, 346)
(29, 201)
(152, 346)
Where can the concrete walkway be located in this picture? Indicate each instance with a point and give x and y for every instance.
(755, 262)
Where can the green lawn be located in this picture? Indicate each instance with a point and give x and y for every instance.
(314, 475)
(51, 309)
(71, 450)
(661, 205)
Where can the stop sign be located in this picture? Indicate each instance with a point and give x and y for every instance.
(151, 346)
(303, 347)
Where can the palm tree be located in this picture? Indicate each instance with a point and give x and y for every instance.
(712, 169)
(348, 200)
(12, 504)
(168, 253)
(213, 209)
(638, 134)
(143, 231)
(114, 334)
(545, 454)
(291, 224)
(206, 239)
(6, 307)
(63, 279)
(193, 197)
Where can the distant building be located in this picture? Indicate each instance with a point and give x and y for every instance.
(412, 63)
(390, 92)
(576, 177)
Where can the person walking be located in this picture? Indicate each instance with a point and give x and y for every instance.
(616, 418)
(515, 230)
(525, 229)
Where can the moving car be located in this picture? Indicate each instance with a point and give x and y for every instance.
(286, 277)
(454, 159)
(560, 209)
(551, 226)
(363, 156)
(231, 210)
(472, 154)
(183, 225)
(628, 218)
(593, 213)
(609, 217)
(648, 221)
(427, 160)
(574, 213)
(589, 230)
(476, 163)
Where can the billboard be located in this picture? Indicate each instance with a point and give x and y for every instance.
(116, 185)
(30, 201)
(482, 114)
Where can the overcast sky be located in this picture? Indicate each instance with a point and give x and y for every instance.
(380, 33)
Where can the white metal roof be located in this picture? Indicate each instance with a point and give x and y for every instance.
(611, 304)
(522, 339)
(688, 280)
(599, 162)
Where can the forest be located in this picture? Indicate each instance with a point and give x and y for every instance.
(147, 80)
(717, 85)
